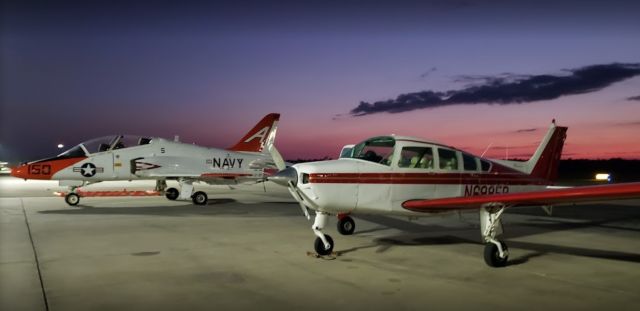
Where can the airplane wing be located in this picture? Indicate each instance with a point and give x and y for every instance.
(533, 198)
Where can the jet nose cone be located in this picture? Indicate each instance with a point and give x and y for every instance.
(285, 176)
(19, 171)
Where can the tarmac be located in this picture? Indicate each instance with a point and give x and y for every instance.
(248, 249)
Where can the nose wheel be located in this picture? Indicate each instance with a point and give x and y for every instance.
(72, 199)
(320, 247)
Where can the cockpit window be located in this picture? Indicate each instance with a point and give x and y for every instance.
(346, 152)
(416, 157)
(378, 150)
(107, 143)
(73, 152)
(448, 159)
(100, 144)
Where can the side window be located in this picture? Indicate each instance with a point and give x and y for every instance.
(448, 159)
(469, 162)
(416, 157)
(486, 166)
(144, 141)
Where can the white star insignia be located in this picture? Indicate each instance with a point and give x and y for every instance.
(88, 170)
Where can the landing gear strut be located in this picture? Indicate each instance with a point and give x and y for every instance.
(324, 243)
(496, 252)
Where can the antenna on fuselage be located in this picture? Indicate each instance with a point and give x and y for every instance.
(176, 138)
(487, 149)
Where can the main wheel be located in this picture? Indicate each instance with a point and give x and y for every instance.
(492, 255)
(199, 198)
(319, 246)
(72, 199)
(172, 194)
(346, 225)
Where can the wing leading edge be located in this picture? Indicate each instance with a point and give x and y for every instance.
(533, 198)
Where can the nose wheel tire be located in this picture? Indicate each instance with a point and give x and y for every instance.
(492, 255)
(172, 194)
(199, 198)
(346, 225)
(319, 246)
(72, 199)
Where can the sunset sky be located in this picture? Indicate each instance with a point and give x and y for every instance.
(467, 73)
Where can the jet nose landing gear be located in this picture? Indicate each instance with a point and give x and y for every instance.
(72, 199)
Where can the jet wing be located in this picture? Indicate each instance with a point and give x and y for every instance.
(533, 198)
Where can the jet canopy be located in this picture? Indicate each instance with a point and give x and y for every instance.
(106, 143)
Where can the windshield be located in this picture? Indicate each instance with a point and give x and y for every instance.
(377, 149)
(346, 151)
(73, 152)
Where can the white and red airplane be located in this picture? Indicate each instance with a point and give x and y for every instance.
(408, 176)
(124, 157)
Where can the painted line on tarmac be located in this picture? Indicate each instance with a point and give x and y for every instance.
(35, 255)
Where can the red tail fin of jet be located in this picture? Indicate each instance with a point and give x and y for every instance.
(264, 132)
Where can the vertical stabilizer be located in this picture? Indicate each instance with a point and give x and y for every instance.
(256, 139)
(545, 161)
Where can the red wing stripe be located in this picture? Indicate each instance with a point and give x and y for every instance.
(545, 197)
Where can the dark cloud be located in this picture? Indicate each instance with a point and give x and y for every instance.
(428, 72)
(630, 123)
(526, 130)
(506, 89)
(634, 98)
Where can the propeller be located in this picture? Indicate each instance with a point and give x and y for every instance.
(287, 176)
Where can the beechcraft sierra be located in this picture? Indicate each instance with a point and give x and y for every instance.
(124, 157)
(407, 176)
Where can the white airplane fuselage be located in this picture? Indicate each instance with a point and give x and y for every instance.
(361, 187)
(161, 159)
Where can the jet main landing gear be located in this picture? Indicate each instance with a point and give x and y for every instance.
(172, 194)
(199, 198)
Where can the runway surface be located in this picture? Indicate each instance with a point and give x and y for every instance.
(247, 249)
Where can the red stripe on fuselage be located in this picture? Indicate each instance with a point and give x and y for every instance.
(424, 178)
